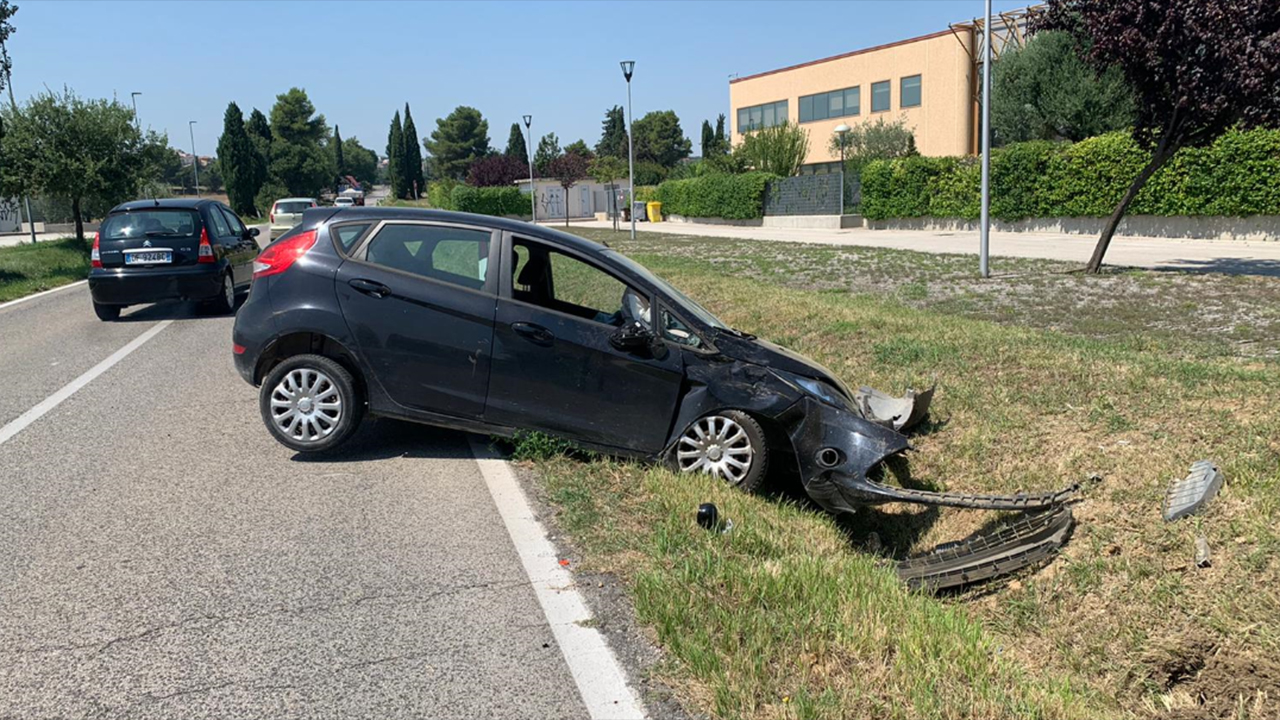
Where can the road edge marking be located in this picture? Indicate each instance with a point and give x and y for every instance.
(42, 293)
(20, 423)
(602, 683)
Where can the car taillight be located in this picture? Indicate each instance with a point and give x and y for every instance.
(206, 250)
(237, 348)
(271, 216)
(283, 254)
(95, 257)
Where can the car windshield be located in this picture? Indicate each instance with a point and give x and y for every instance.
(702, 314)
(149, 223)
(294, 206)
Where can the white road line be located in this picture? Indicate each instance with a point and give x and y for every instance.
(22, 421)
(602, 684)
(41, 294)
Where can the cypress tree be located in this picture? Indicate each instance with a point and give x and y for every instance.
(395, 157)
(708, 140)
(339, 160)
(236, 157)
(413, 182)
(722, 142)
(515, 144)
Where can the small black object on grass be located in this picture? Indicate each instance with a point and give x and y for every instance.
(709, 519)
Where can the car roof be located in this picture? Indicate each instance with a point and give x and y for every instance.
(181, 203)
(572, 242)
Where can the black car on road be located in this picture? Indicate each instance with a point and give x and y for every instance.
(497, 326)
(187, 249)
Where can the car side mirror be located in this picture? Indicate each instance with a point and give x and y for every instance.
(632, 336)
(252, 232)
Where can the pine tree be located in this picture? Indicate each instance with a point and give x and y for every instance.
(395, 157)
(238, 159)
(548, 150)
(339, 161)
(458, 140)
(413, 181)
(613, 137)
(722, 141)
(515, 144)
(708, 140)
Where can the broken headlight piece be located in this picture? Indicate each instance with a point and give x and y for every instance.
(816, 388)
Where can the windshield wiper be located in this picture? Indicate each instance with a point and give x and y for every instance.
(741, 334)
(162, 233)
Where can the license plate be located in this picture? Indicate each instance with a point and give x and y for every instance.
(148, 257)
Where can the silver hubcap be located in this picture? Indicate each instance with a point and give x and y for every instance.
(229, 290)
(718, 446)
(306, 405)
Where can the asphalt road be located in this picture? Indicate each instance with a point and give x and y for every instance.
(162, 556)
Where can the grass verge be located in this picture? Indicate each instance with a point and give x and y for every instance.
(792, 614)
(27, 268)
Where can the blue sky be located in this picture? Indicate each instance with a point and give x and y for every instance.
(360, 61)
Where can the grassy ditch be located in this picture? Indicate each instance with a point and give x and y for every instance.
(792, 614)
(27, 268)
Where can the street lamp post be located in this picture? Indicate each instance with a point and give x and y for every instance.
(195, 159)
(134, 97)
(984, 242)
(629, 67)
(842, 130)
(533, 192)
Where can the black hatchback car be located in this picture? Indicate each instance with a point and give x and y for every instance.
(185, 249)
(496, 326)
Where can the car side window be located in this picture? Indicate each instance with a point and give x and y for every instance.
(676, 331)
(348, 234)
(233, 222)
(219, 222)
(458, 256)
(557, 281)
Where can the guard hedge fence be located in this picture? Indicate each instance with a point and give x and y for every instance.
(1237, 175)
(721, 195)
(452, 195)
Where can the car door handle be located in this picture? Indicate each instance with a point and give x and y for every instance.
(370, 288)
(534, 333)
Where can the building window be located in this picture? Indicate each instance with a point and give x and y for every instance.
(834, 104)
(762, 116)
(820, 168)
(880, 96)
(909, 95)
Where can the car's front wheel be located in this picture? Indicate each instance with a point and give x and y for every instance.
(728, 444)
(310, 403)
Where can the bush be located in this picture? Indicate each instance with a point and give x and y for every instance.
(646, 193)
(650, 173)
(440, 193)
(1239, 174)
(268, 195)
(734, 197)
(490, 200)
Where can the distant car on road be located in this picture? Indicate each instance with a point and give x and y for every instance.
(152, 250)
(343, 201)
(285, 213)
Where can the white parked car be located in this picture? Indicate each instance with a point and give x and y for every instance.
(342, 202)
(285, 213)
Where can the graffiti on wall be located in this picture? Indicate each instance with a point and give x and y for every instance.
(10, 219)
(551, 202)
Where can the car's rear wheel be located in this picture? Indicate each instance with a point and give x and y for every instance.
(310, 403)
(728, 444)
(224, 303)
(106, 312)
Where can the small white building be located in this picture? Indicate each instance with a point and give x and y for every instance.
(584, 200)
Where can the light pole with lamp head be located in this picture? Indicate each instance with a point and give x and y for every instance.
(533, 192)
(842, 130)
(195, 159)
(134, 97)
(629, 67)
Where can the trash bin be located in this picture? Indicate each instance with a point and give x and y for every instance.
(655, 211)
(638, 209)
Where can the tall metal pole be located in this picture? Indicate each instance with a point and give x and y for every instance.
(134, 96)
(984, 266)
(533, 191)
(195, 159)
(26, 198)
(628, 67)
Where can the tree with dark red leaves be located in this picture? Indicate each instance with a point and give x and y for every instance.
(497, 170)
(1197, 69)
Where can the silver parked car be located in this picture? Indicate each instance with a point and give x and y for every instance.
(285, 213)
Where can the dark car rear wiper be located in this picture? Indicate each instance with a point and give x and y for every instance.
(163, 233)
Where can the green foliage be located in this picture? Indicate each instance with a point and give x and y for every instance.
(548, 150)
(1045, 91)
(579, 148)
(488, 200)
(649, 173)
(458, 141)
(606, 169)
(239, 163)
(708, 139)
(536, 446)
(260, 134)
(269, 193)
(440, 193)
(27, 268)
(867, 141)
(516, 146)
(339, 156)
(646, 193)
(659, 139)
(299, 159)
(362, 163)
(1239, 174)
(613, 134)
(395, 157)
(734, 197)
(779, 150)
(412, 165)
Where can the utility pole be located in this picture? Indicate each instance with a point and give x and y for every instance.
(195, 159)
(26, 198)
(984, 242)
(628, 67)
(533, 192)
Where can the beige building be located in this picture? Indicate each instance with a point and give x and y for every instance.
(930, 82)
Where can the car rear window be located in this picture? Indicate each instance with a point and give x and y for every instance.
(149, 223)
(296, 206)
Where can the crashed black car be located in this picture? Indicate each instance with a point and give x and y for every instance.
(496, 326)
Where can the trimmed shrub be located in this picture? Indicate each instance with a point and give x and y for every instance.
(733, 197)
(490, 200)
(646, 193)
(440, 193)
(1239, 174)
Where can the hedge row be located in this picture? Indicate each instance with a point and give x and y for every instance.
(490, 200)
(734, 197)
(1237, 175)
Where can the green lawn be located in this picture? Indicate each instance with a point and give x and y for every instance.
(1044, 379)
(27, 268)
